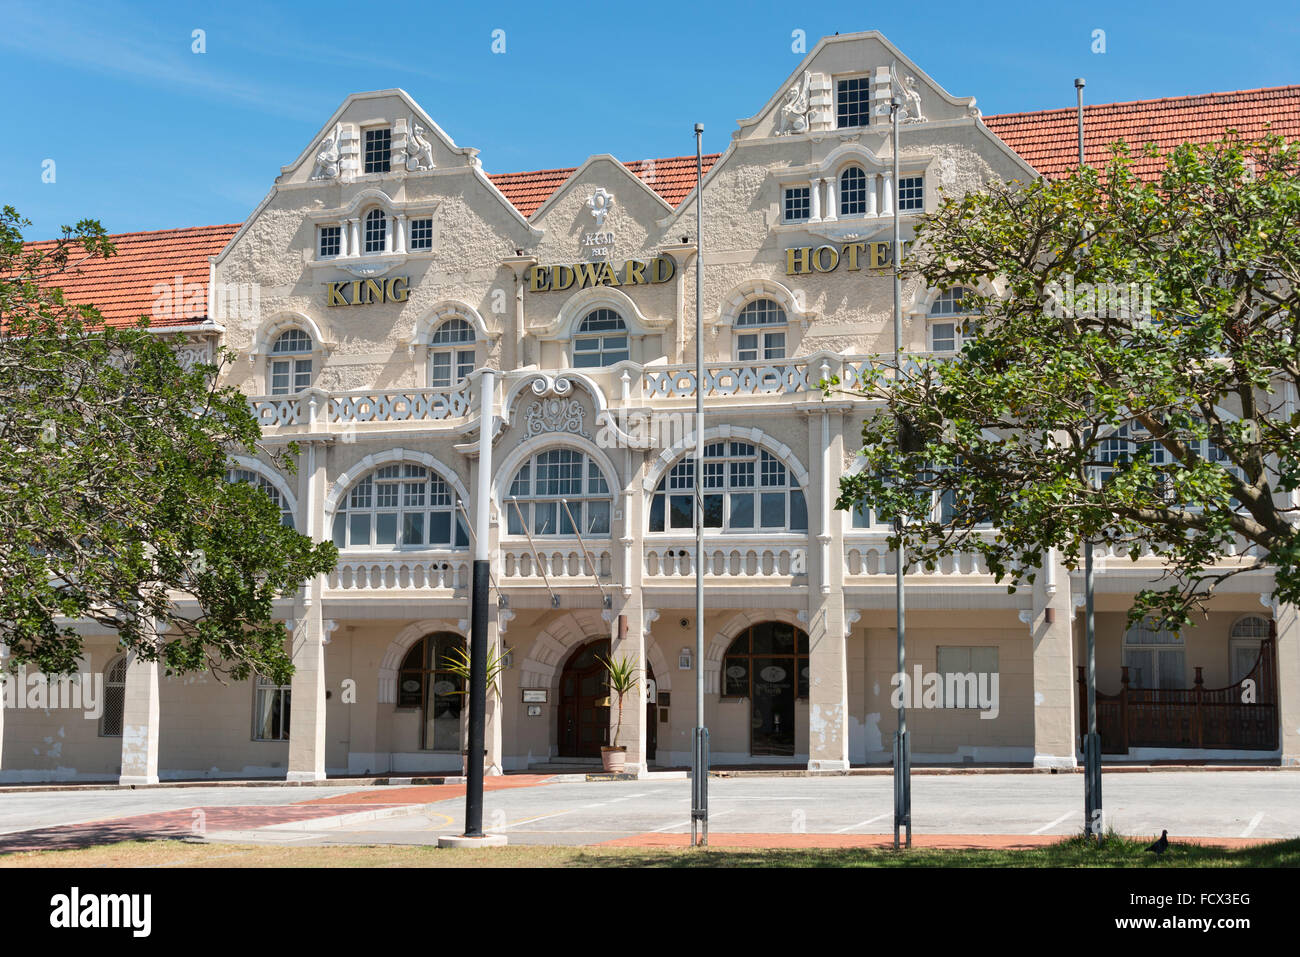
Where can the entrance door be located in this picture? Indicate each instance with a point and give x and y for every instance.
(772, 715)
(584, 717)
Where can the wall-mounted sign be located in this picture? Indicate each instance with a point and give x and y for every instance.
(534, 695)
(363, 292)
(804, 260)
(534, 710)
(634, 272)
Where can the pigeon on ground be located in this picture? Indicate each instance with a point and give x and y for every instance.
(1159, 846)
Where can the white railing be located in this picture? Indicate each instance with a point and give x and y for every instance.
(676, 559)
(554, 561)
(732, 378)
(366, 405)
(400, 572)
(875, 557)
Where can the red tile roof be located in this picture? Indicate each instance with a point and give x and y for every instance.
(672, 178)
(1049, 139)
(123, 285)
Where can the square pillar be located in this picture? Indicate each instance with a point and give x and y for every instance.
(1055, 679)
(307, 695)
(140, 723)
(627, 638)
(828, 669)
(1288, 682)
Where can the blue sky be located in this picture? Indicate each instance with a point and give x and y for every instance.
(146, 134)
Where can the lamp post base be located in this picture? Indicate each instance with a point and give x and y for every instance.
(460, 840)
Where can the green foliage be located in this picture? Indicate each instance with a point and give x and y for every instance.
(623, 678)
(1016, 426)
(113, 493)
(458, 663)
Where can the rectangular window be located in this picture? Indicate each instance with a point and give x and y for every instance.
(798, 205)
(747, 347)
(966, 673)
(774, 345)
(270, 711)
(911, 194)
(421, 234)
(330, 240)
(943, 337)
(379, 146)
(853, 102)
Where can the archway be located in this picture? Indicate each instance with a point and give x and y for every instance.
(768, 664)
(583, 717)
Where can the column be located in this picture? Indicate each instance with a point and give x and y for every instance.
(1288, 681)
(399, 233)
(355, 232)
(627, 638)
(832, 204)
(140, 723)
(815, 201)
(887, 195)
(1056, 692)
(307, 693)
(495, 711)
(4, 653)
(871, 194)
(828, 685)
(345, 237)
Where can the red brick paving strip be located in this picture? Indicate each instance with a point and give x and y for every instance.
(949, 842)
(428, 793)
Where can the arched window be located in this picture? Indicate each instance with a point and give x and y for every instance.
(745, 489)
(451, 353)
(853, 192)
(426, 682)
(1155, 657)
(400, 506)
(1243, 644)
(760, 331)
(291, 362)
(601, 340)
(376, 231)
(950, 325)
(262, 482)
(549, 479)
(110, 722)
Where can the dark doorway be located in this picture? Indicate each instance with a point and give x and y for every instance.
(584, 717)
(768, 664)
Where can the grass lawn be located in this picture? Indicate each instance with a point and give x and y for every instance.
(1070, 852)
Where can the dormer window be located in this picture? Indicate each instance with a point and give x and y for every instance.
(852, 102)
(376, 231)
(331, 241)
(379, 147)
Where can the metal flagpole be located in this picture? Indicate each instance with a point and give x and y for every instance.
(478, 617)
(902, 745)
(1092, 813)
(700, 754)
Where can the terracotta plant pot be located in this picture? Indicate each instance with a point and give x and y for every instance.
(614, 759)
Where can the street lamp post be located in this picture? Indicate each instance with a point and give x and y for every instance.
(700, 744)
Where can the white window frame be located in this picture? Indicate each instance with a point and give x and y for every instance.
(1156, 648)
(916, 204)
(457, 355)
(399, 494)
(320, 241)
(544, 511)
(366, 240)
(1238, 642)
(766, 337)
(867, 117)
(946, 312)
(606, 339)
(733, 470)
(868, 184)
(296, 365)
(365, 150)
(786, 200)
(262, 687)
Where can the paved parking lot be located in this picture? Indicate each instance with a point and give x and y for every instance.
(1218, 804)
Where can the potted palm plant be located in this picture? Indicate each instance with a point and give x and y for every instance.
(621, 674)
(458, 663)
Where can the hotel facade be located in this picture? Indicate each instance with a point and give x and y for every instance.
(384, 270)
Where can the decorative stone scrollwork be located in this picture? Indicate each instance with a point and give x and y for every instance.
(327, 158)
(551, 385)
(600, 203)
(794, 111)
(555, 415)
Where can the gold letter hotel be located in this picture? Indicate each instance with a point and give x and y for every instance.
(385, 270)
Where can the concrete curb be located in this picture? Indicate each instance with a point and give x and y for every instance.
(352, 817)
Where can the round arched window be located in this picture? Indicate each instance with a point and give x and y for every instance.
(262, 482)
(290, 364)
(760, 331)
(557, 492)
(600, 340)
(426, 681)
(400, 506)
(745, 489)
(451, 353)
(853, 192)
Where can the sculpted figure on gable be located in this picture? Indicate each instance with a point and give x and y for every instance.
(327, 160)
(419, 151)
(794, 111)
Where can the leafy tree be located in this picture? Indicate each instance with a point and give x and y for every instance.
(114, 502)
(1132, 382)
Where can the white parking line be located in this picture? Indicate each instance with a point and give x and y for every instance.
(1254, 823)
(540, 817)
(712, 815)
(1048, 827)
(878, 817)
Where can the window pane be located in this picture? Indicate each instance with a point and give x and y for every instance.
(440, 528)
(735, 672)
(798, 511)
(597, 518)
(712, 511)
(742, 511)
(412, 528)
(545, 518)
(773, 506)
(340, 530)
(386, 528)
(359, 530)
(657, 513)
(680, 511)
